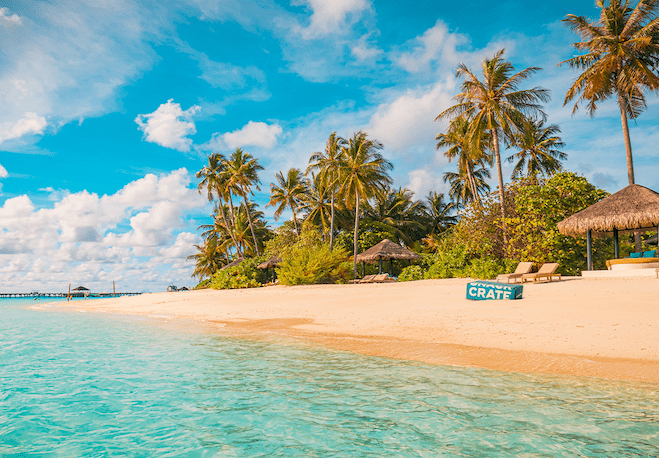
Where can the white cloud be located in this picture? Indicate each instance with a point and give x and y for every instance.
(3, 172)
(251, 134)
(330, 16)
(30, 123)
(436, 43)
(363, 50)
(409, 119)
(422, 181)
(169, 126)
(92, 238)
(228, 76)
(6, 17)
(66, 62)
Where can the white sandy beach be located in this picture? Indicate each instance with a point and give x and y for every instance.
(591, 327)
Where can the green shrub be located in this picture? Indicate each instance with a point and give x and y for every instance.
(488, 268)
(411, 273)
(310, 263)
(449, 263)
(244, 275)
(203, 284)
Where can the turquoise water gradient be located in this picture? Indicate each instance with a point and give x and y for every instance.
(88, 385)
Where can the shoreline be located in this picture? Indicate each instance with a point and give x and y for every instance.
(581, 327)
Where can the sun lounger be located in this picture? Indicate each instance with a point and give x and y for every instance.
(546, 271)
(366, 279)
(522, 268)
(383, 278)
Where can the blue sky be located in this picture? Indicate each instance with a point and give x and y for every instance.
(109, 107)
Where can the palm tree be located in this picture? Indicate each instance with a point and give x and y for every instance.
(495, 107)
(398, 211)
(213, 178)
(439, 212)
(289, 193)
(327, 164)
(622, 55)
(244, 227)
(316, 204)
(363, 170)
(538, 150)
(208, 259)
(456, 139)
(460, 191)
(242, 170)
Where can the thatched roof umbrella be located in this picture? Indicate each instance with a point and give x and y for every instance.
(272, 262)
(386, 249)
(233, 263)
(81, 289)
(631, 209)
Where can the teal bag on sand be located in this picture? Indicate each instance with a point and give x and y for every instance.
(635, 255)
(488, 290)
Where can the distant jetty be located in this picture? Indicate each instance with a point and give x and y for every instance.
(36, 295)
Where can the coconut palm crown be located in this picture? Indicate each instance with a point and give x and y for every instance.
(456, 140)
(621, 60)
(242, 170)
(539, 153)
(327, 164)
(288, 193)
(495, 106)
(363, 170)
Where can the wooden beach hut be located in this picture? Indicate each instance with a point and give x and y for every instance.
(384, 250)
(272, 262)
(632, 209)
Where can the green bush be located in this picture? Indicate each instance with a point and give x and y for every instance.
(411, 273)
(448, 263)
(204, 284)
(489, 268)
(310, 263)
(244, 275)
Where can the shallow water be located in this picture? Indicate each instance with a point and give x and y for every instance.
(78, 384)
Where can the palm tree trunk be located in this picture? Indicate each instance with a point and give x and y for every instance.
(226, 224)
(628, 142)
(356, 233)
(297, 229)
(332, 222)
(233, 221)
(472, 184)
(630, 159)
(251, 226)
(497, 156)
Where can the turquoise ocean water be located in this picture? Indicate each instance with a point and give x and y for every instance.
(88, 385)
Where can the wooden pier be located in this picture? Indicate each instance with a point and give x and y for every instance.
(73, 295)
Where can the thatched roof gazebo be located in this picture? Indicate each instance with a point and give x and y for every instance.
(632, 209)
(386, 249)
(272, 262)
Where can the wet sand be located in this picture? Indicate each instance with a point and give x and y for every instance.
(587, 327)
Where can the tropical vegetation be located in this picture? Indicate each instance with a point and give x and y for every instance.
(344, 201)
